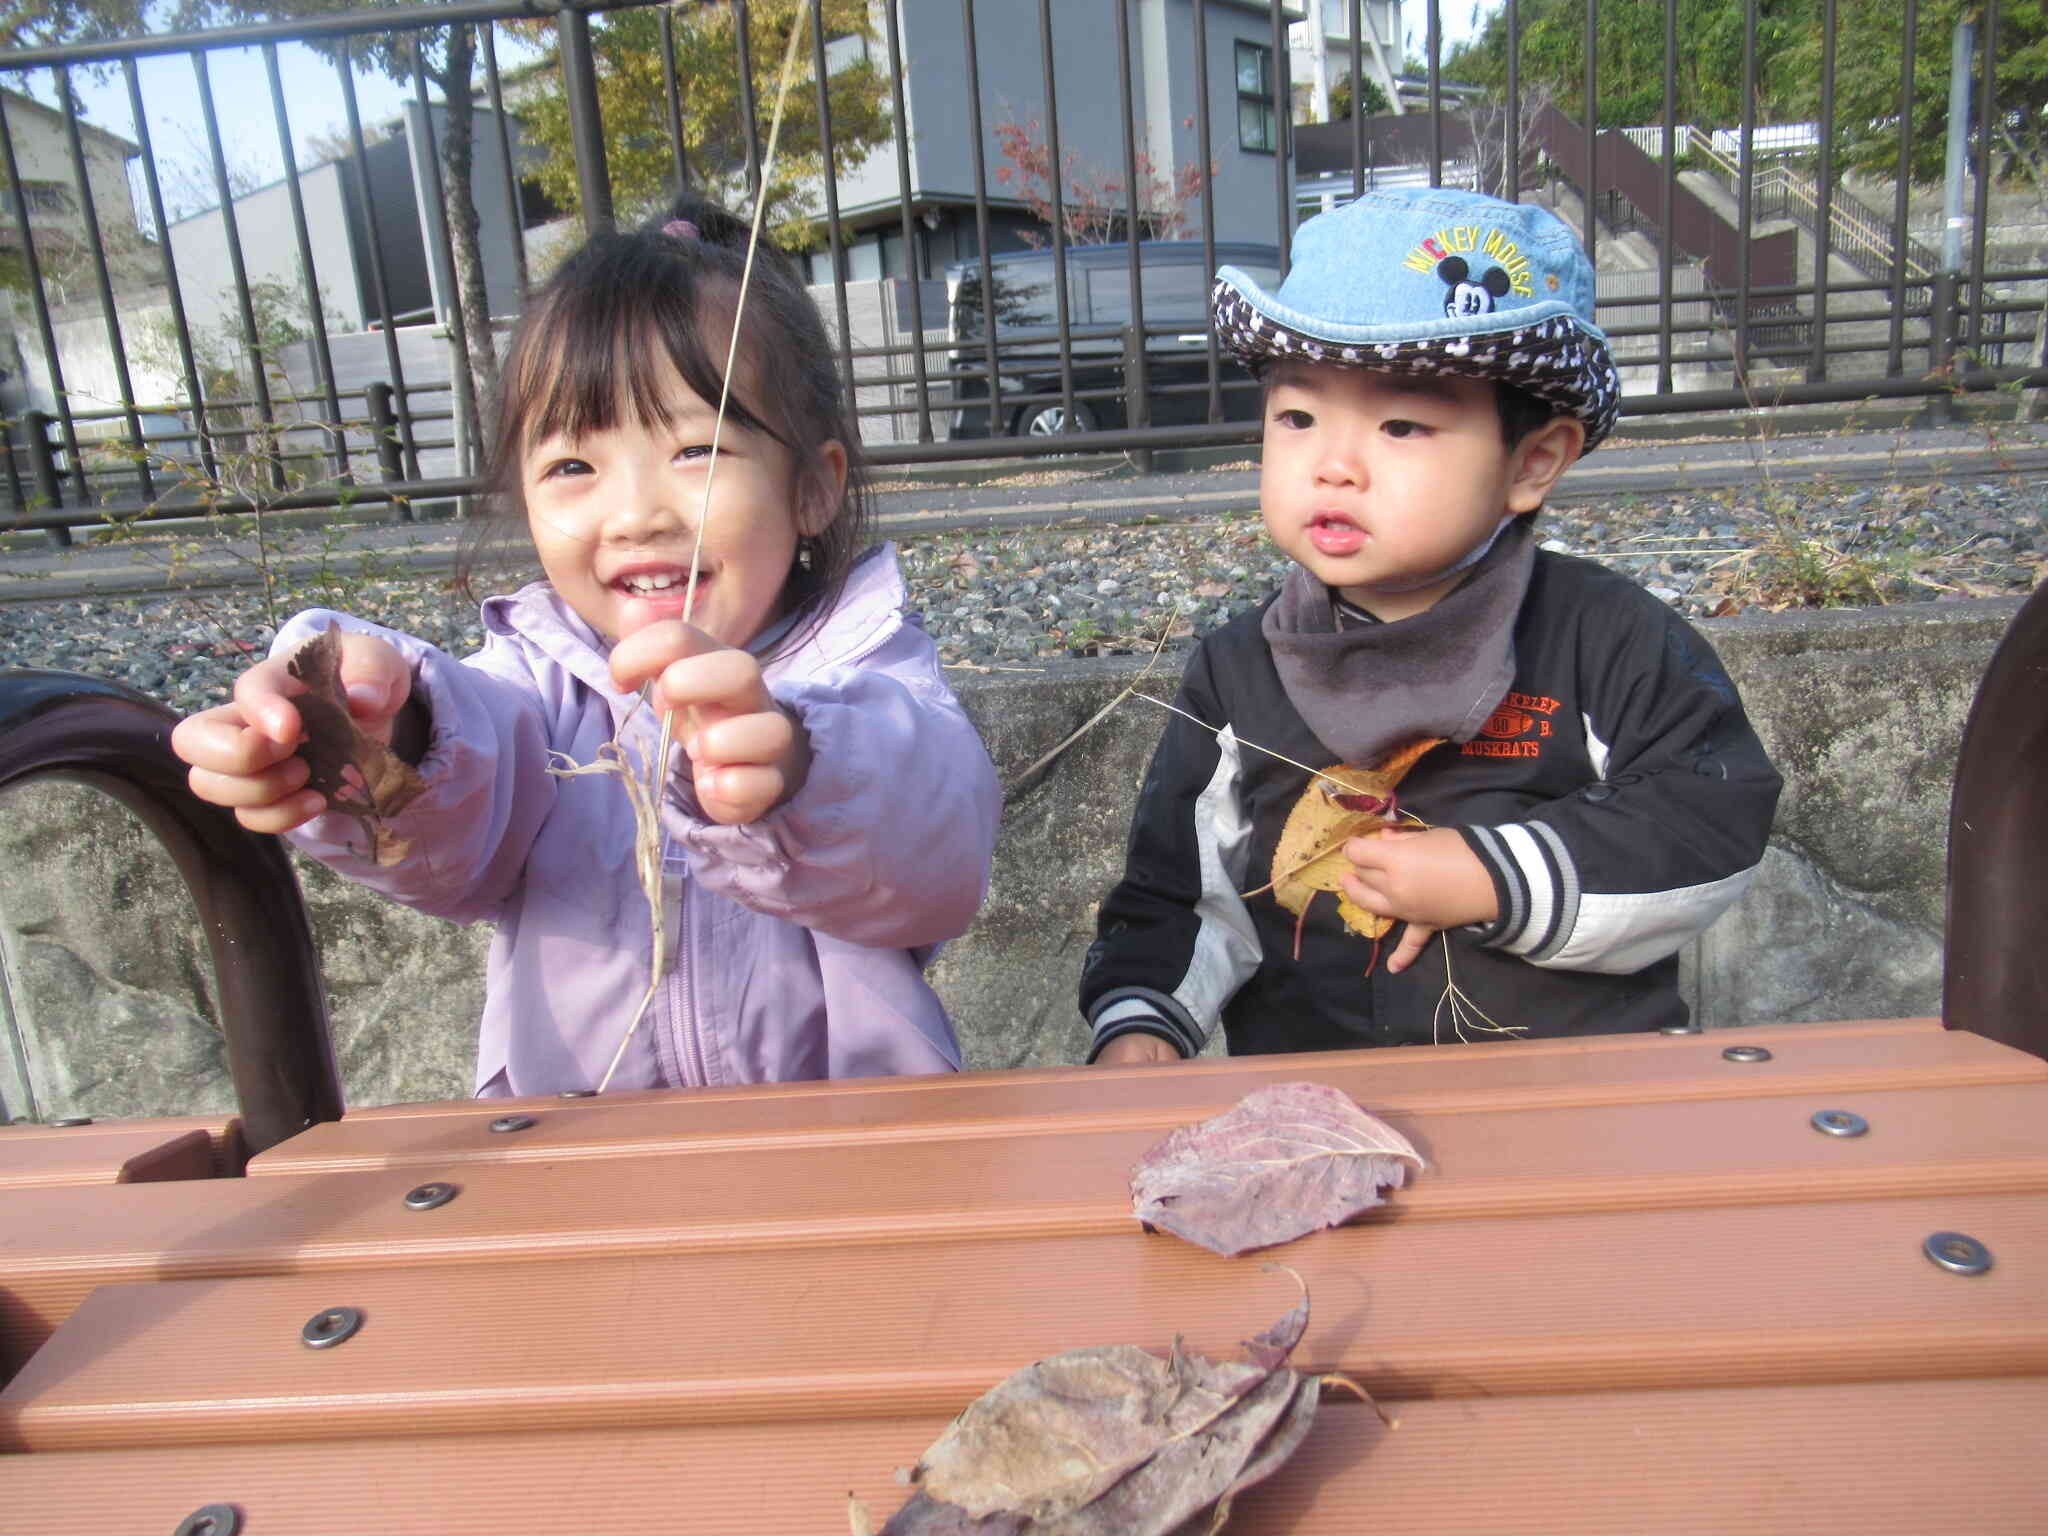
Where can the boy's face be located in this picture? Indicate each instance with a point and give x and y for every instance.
(1381, 483)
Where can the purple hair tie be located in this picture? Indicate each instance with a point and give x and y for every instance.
(681, 229)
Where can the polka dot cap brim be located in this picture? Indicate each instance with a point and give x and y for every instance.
(1553, 358)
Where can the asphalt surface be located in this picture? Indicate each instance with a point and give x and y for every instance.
(1105, 490)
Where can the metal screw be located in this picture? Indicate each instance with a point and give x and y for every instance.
(1746, 1053)
(577, 1093)
(324, 1330)
(1958, 1253)
(73, 1120)
(213, 1520)
(512, 1123)
(1840, 1122)
(428, 1196)
(1679, 1029)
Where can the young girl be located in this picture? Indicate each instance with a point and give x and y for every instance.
(830, 816)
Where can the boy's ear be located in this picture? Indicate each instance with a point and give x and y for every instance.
(1540, 459)
(821, 489)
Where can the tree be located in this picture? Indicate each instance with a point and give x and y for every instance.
(447, 57)
(1340, 100)
(1630, 82)
(45, 23)
(633, 100)
(1869, 40)
(1093, 203)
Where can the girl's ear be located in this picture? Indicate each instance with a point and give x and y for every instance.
(1539, 460)
(821, 490)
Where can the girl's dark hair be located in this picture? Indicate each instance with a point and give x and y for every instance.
(594, 336)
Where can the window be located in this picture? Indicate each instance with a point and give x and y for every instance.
(47, 197)
(1258, 126)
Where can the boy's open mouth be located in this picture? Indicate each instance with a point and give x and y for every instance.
(1334, 534)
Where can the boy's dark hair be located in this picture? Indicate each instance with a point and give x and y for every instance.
(595, 335)
(1521, 412)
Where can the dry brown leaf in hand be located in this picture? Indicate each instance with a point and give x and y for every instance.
(360, 777)
(1282, 1162)
(1310, 854)
(1115, 1441)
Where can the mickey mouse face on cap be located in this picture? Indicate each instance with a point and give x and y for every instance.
(1468, 296)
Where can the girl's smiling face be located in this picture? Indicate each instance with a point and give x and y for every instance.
(614, 514)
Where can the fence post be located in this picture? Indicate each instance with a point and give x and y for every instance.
(1941, 346)
(377, 398)
(1137, 407)
(42, 459)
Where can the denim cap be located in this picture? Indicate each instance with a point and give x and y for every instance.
(1426, 280)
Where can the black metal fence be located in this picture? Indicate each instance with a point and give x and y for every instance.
(387, 410)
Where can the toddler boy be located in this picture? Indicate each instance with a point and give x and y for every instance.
(1431, 367)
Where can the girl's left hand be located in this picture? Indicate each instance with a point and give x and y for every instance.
(747, 753)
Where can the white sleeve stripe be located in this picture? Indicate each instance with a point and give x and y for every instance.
(1565, 919)
(1597, 751)
(1527, 855)
(1511, 921)
(1226, 949)
(1620, 934)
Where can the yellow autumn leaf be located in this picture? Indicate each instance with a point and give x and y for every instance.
(1310, 854)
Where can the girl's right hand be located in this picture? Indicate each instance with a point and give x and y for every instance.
(244, 755)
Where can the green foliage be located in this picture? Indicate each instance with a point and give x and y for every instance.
(1630, 83)
(1374, 98)
(40, 23)
(634, 102)
(1869, 39)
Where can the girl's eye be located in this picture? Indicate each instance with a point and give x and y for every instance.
(557, 469)
(1297, 420)
(697, 451)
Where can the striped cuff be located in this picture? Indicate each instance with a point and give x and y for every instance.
(1139, 1010)
(1536, 883)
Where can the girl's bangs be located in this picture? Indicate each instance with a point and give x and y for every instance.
(599, 355)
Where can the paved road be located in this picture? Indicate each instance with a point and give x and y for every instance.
(1109, 491)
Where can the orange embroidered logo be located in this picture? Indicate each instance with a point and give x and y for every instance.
(1517, 728)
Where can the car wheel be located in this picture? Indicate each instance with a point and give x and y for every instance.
(1051, 420)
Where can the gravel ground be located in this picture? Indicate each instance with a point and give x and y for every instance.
(1012, 598)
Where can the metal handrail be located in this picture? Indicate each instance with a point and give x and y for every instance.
(273, 1014)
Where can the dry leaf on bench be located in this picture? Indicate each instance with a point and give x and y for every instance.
(1116, 1441)
(1283, 1162)
(1310, 854)
(360, 777)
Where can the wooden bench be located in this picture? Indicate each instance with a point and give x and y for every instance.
(1638, 1289)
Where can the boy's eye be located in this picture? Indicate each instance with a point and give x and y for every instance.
(1294, 418)
(1401, 427)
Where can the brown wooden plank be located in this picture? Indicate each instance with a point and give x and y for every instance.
(1607, 1069)
(1739, 1296)
(56, 1245)
(1884, 1459)
(121, 1151)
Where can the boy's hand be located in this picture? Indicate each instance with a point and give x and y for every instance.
(244, 754)
(747, 753)
(1428, 878)
(1136, 1049)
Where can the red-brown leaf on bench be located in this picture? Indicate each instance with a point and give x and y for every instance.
(360, 777)
(1284, 1161)
(1115, 1441)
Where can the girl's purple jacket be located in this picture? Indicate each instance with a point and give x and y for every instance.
(797, 943)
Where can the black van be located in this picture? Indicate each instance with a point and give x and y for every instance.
(1175, 281)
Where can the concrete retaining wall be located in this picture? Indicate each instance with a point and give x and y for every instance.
(107, 990)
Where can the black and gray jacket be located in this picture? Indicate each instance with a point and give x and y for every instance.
(1617, 795)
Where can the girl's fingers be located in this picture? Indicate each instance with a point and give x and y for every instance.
(644, 654)
(765, 737)
(284, 815)
(739, 794)
(264, 695)
(227, 742)
(244, 790)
